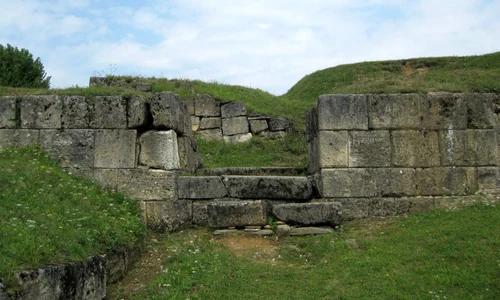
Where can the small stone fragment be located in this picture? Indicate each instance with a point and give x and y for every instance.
(310, 231)
(283, 230)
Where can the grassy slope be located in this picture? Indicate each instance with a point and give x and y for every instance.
(48, 216)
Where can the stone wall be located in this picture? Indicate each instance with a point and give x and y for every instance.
(213, 119)
(411, 147)
(133, 145)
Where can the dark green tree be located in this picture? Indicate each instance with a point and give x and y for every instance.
(19, 69)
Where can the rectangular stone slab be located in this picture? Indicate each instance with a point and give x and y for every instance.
(446, 181)
(201, 187)
(236, 213)
(369, 148)
(342, 112)
(115, 148)
(147, 184)
(309, 213)
(18, 137)
(269, 187)
(8, 112)
(70, 147)
(39, 112)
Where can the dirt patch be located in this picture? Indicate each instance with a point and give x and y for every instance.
(408, 69)
(261, 249)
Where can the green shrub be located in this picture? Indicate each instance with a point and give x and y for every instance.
(18, 69)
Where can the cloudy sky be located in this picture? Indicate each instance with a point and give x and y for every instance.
(266, 44)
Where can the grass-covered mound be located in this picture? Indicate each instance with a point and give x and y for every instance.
(48, 216)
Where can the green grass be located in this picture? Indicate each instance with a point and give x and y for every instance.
(437, 255)
(48, 216)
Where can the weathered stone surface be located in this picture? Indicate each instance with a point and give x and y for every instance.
(119, 263)
(311, 124)
(200, 213)
(469, 147)
(454, 203)
(263, 232)
(278, 124)
(18, 137)
(195, 123)
(348, 111)
(369, 149)
(330, 149)
(236, 213)
(257, 125)
(170, 112)
(206, 106)
(138, 112)
(210, 123)
(109, 112)
(70, 147)
(299, 231)
(107, 178)
(383, 207)
(238, 138)
(283, 230)
(413, 148)
(201, 187)
(189, 159)
(211, 134)
(8, 112)
(39, 112)
(354, 208)
(76, 280)
(341, 183)
(481, 111)
(76, 113)
(444, 111)
(224, 232)
(169, 215)
(233, 109)
(394, 111)
(394, 182)
(190, 106)
(115, 148)
(446, 181)
(147, 184)
(309, 213)
(488, 179)
(237, 125)
(272, 135)
(159, 150)
(268, 187)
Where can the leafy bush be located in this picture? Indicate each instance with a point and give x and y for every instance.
(18, 69)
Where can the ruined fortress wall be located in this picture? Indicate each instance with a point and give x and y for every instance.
(365, 147)
(132, 145)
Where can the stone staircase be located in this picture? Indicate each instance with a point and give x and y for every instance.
(242, 197)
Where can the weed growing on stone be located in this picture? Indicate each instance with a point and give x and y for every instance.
(48, 216)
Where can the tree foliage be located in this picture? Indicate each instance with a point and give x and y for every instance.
(19, 69)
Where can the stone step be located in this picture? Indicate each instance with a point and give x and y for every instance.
(264, 171)
(296, 188)
(317, 213)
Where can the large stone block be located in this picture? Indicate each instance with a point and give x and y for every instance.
(70, 147)
(394, 111)
(330, 149)
(269, 187)
(481, 111)
(369, 149)
(206, 106)
(444, 111)
(170, 112)
(147, 184)
(159, 150)
(109, 112)
(411, 148)
(237, 125)
(342, 112)
(236, 213)
(18, 137)
(238, 138)
(210, 123)
(41, 112)
(115, 148)
(343, 183)
(354, 208)
(210, 134)
(469, 147)
(201, 187)
(8, 117)
(190, 106)
(316, 213)
(257, 125)
(446, 181)
(394, 182)
(200, 213)
(488, 179)
(233, 109)
(76, 113)
(137, 113)
(189, 159)
(169, 215)
(278, 124)
(311, 124)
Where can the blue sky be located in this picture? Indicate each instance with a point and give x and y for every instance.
(266, 44)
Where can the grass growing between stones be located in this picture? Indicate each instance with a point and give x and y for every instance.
(436, 255)
(48, 216)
